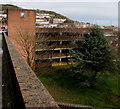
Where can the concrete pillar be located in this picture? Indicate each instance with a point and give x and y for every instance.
(60, 50)
(60, 42)
(60, 59)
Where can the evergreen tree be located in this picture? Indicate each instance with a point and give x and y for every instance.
(93, 55)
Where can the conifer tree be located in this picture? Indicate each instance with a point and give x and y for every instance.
(93, 55)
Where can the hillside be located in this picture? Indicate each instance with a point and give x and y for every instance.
(4, 7)
(56, 15)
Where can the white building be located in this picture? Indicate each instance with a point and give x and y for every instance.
(57, 20)
(44, 15)
(2, 16)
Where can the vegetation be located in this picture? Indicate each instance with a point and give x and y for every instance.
(118, 51)
(25, 40)
(93, 55)
(59, 82)
(8, 6)
(4, 21)
(48, 48)
(93, 81)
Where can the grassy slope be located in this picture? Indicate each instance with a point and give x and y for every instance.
(60, 86)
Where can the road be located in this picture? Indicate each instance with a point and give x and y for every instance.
(1, 71)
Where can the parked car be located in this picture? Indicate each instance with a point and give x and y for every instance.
(3, 29)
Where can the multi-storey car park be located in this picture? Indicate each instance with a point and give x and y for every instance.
(53, 44)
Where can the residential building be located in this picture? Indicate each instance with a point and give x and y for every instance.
(57, 20)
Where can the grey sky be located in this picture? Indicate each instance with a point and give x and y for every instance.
(103, 13)
(59, 0)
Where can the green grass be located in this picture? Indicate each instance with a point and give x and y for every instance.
(59, 84)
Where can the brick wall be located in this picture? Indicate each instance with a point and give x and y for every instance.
(22, 89)
(16, 23)
(21, 29)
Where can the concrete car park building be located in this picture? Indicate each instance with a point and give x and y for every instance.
(21, 89)
(53, 44)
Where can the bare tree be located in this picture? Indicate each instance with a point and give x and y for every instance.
(46, 45)
(25, 41)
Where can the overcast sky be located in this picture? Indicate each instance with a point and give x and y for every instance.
(102, 12)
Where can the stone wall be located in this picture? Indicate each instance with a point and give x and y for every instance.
(11, 95)
(22, 89)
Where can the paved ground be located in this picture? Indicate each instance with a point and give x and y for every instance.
(0, 71)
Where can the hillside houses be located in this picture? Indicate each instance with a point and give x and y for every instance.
(2, 16)
(46, 19)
